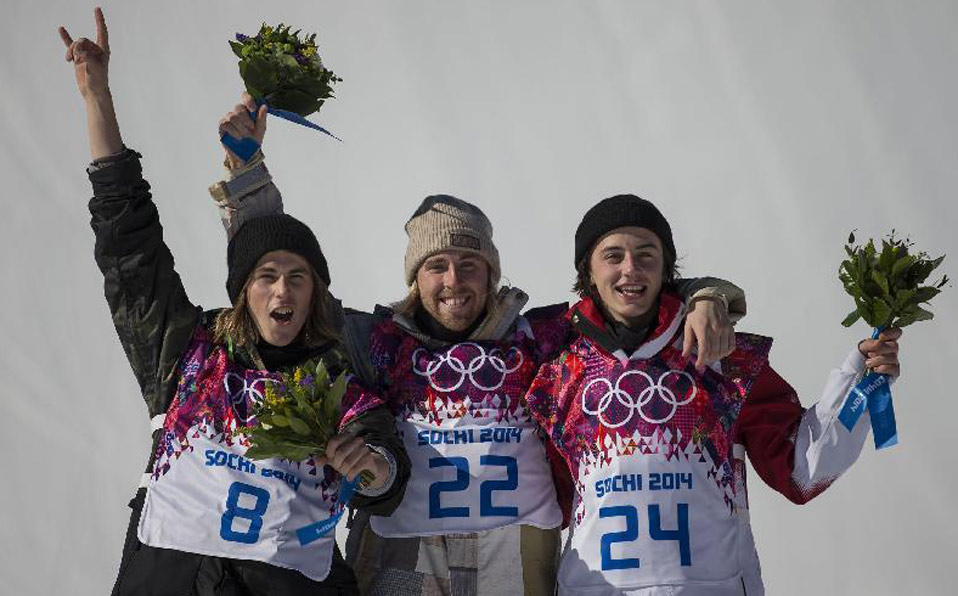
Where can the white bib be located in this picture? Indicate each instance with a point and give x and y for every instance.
(470, 478)
(213, 501)
(646, 519)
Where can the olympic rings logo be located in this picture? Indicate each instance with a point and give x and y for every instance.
(633, 404)
(239, 389)
(494, 358)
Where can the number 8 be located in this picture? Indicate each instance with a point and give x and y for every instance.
(233, 511)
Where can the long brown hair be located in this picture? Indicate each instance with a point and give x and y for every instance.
(236, 324)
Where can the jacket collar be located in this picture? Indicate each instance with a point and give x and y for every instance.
(587, 318)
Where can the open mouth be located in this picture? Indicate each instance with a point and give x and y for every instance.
(455, 301)
(282, 315)
(631, 291)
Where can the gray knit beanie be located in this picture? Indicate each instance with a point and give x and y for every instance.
(443, 222)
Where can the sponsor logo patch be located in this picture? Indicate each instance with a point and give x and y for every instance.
(464, 241)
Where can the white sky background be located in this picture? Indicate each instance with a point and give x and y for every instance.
(765, 131)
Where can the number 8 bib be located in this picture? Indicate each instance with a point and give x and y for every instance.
(213, 501)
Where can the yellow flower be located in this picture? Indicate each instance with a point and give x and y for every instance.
(298, 375)
(309, 51)
(271, 398)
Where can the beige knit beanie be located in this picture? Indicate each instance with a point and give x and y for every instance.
(443, 223)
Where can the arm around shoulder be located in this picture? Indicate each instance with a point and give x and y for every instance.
(700, 288)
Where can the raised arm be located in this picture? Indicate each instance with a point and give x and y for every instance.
(90, 65)
(152, 315)
(247, 190)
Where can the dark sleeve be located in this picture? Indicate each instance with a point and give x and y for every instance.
(152, 315)
(766, 427)
(377, 427)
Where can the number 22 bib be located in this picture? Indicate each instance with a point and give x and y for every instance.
(478, 461)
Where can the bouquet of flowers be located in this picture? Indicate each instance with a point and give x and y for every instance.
(888, 287)
(284, 70)
(298, 415)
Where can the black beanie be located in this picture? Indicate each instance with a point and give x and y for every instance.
(261, 235)
(617, 212)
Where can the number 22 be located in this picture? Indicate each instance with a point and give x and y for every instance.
(461, 483)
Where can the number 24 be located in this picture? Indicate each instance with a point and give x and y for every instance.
(631, 533)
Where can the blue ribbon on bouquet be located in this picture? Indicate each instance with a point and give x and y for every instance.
(246, 147)
(313, 532)
(873, 393)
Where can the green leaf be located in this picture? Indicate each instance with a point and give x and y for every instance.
(316, 87)
(334, 399)
(881, 280)
(851, 318)
(337, 390)
(903, 298)
(280, 420)
(887, 257)
(237, 48)
(258, 73)
(902, 265)
(322, 375)
(924, 294)
(294, 100)
(298, 426)
(920, 272)
(881, 312)
(259, 452)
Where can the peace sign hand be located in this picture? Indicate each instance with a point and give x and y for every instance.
(90, 60)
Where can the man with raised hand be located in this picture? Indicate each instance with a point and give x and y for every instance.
(207, 520)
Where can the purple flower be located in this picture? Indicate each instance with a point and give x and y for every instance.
(303, 60)
(307, 381)
(241, 37)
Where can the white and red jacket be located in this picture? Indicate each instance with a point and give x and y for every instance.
(656, 453)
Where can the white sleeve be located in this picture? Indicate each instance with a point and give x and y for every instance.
(247, 192)
(824, 448)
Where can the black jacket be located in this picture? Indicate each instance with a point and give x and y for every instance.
(153, 316)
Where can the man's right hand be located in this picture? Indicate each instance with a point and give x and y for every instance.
(90, 60)
(238, 124)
